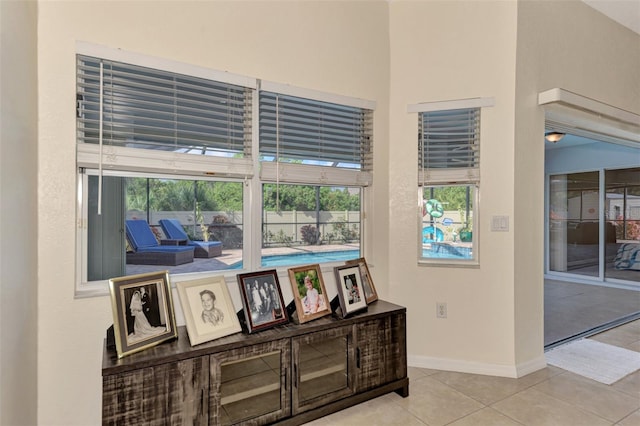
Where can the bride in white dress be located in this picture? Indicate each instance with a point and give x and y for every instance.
(141, 327)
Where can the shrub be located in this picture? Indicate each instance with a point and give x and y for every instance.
(310, 234)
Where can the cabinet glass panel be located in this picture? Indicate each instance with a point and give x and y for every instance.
(250, 387)
(323, 368)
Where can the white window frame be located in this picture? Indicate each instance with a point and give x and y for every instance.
(451, 177)
(123, 161)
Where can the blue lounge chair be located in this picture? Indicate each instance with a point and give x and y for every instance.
(147, 250)
(174, 230)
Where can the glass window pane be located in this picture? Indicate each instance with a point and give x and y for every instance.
(447, 222)
(150, 224)
(310, 224)
(574, 227)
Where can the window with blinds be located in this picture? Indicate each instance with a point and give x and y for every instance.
(449, 141)
(298, 130)
(160, 110)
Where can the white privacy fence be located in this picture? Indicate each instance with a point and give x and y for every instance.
(284, 226)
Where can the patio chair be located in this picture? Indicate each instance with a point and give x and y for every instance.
(204, 249)
(147, 250)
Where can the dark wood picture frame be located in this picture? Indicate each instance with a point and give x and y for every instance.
(143, 314)
(262, 300)
(350, 294)
(309, 306)
(369, 289)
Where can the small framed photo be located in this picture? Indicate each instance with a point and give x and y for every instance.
(368, 288)
(350, 291)
(143, 314)
(262, 300)
(208, 309)
(309, 292)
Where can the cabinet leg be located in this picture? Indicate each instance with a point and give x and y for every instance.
(403, 391)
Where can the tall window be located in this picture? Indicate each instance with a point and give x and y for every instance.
(316, 159)
(167, 158)
(449, 180)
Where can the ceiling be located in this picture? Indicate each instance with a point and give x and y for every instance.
(625, 12)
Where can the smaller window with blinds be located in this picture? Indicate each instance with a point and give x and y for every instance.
(449, 180)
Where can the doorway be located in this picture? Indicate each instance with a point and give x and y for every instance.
(592, 230)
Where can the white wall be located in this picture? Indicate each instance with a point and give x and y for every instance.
(18, 227)
(337, 47)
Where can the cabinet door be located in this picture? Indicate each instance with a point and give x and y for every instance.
(166, 394)
(381, 351)
(322, 368)
(249, 385)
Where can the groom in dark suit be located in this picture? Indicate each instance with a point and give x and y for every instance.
(149, 308)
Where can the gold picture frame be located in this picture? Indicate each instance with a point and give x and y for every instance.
(309, 292)
(369, 289)
(143, 314)
(208, 309)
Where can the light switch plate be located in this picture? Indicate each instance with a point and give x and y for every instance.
(500, 223)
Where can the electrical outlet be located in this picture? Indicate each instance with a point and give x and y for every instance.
(441, 310)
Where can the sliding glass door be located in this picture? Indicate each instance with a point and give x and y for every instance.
(573, 223)
(593, 232)
(622, 213)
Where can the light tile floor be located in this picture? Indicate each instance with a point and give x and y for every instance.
(550, 396)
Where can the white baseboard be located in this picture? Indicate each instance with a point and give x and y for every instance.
(512, 371)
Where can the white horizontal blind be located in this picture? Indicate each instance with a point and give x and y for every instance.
(449, 143)
(315, 132)
(160, 110)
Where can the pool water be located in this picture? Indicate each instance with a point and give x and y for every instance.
(447, 252)
(304, 258)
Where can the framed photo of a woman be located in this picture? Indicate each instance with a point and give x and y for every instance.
(309, 293)
(143, 314)
(208, 309)
(262, 300)
(350, 292)
(368, 288)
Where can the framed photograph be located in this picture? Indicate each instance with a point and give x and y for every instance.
(262, 300)
(368, 288)
(309, 292)
(350, 291)
(143, 313)
(208, 309)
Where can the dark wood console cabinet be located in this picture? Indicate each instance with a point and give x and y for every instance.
(290, 374)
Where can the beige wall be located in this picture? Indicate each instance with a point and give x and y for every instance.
(569, 45)
(446, 51)
(18, 227)
(395, 53)
(337, 47)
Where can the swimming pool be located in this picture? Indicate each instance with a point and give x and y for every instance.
(442, 251)
(304, 258)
